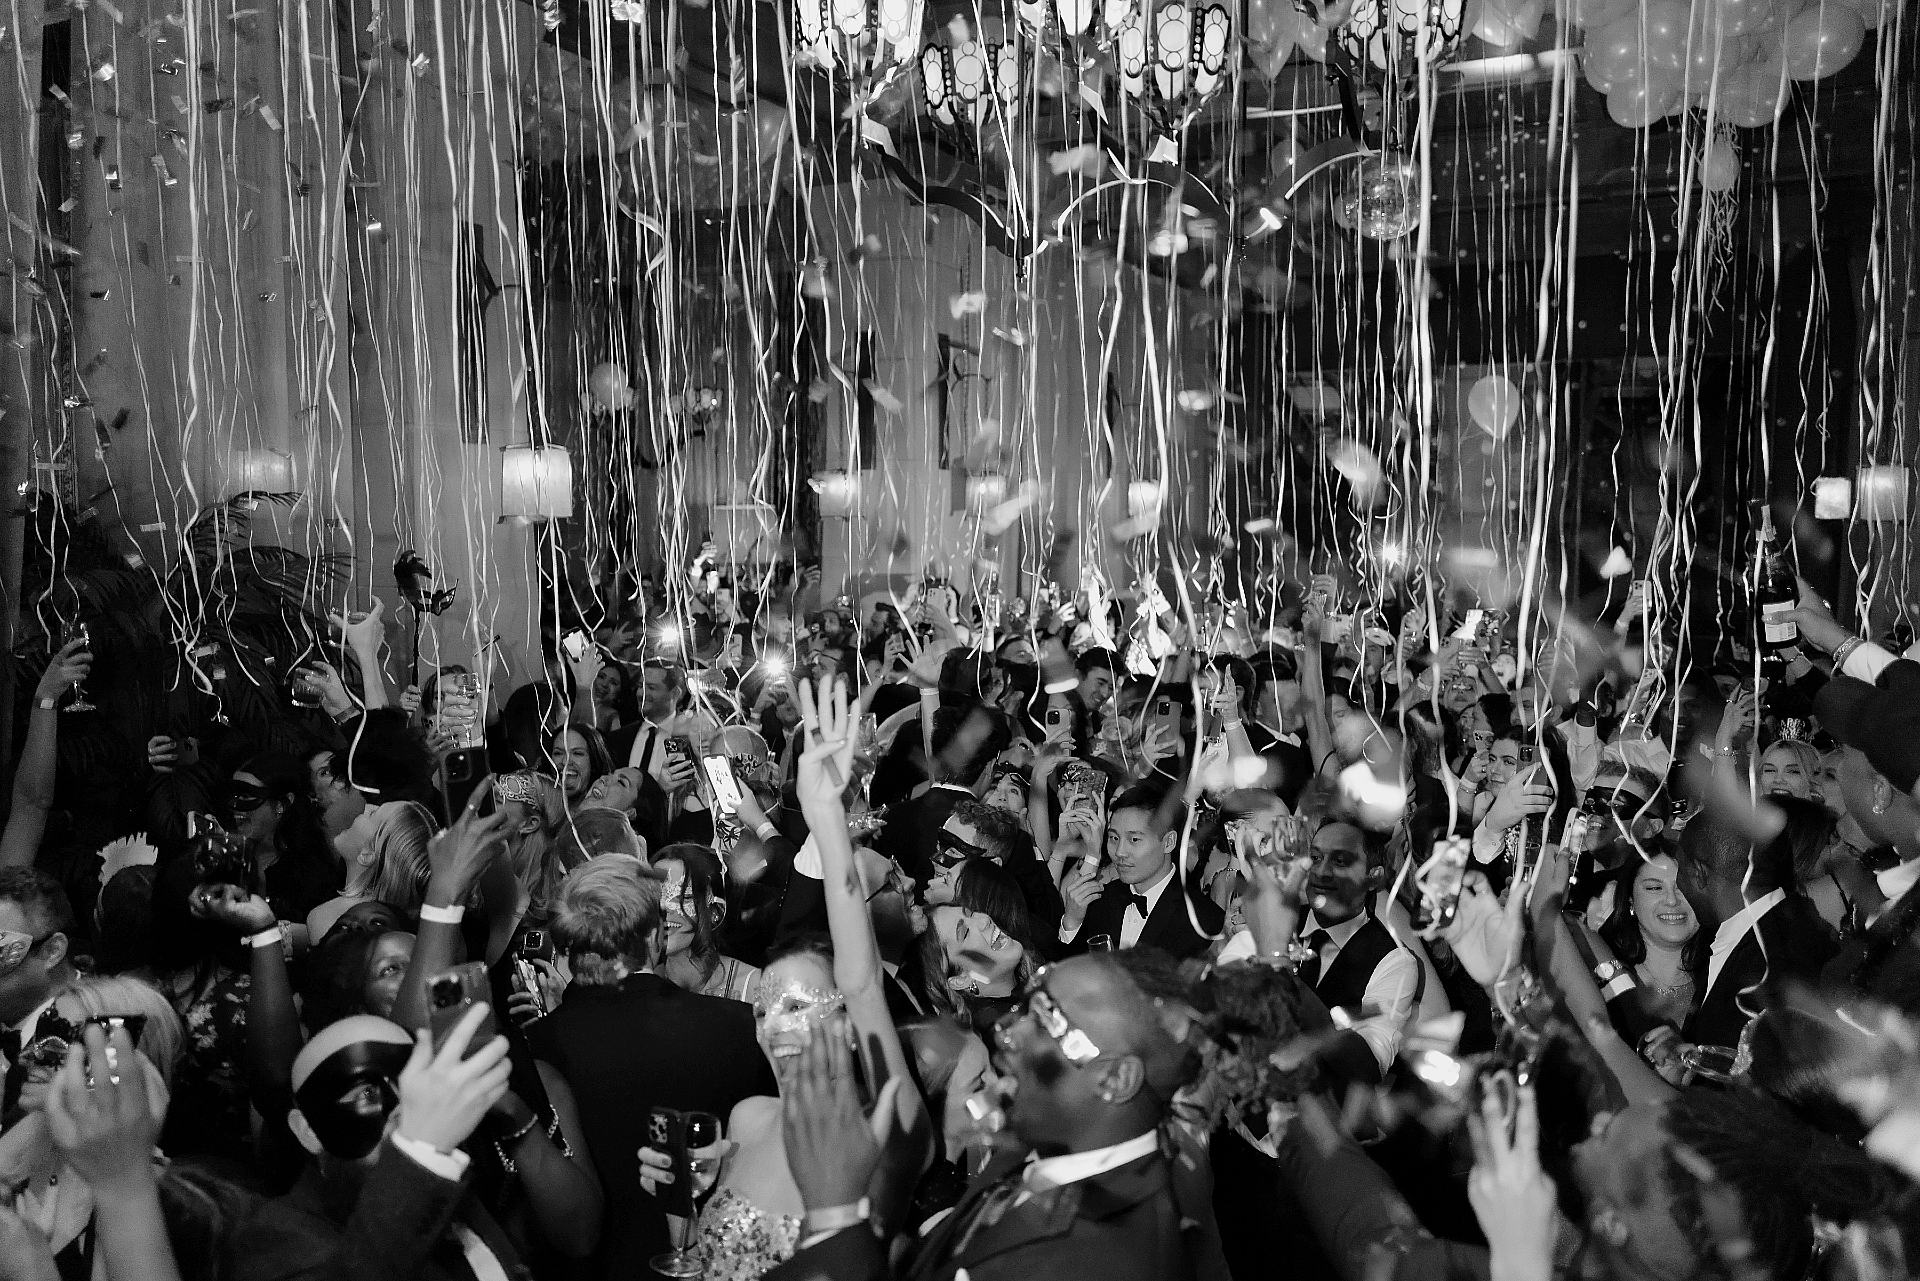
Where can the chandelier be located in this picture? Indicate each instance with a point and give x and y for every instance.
(865, 43)
(1394, 35)
(1171, 55)
(962, 83)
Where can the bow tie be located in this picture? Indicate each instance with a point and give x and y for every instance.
(1140, 901)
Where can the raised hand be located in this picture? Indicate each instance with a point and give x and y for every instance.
(67, 667)
(233, 907)
(1486, 933)
(459, 855)
(100, 1114)
(833, 1147)
(826, 763)
(362, 632)
(444, 1093)
(1512, 1196)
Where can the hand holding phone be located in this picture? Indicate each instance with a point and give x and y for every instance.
(450, 994)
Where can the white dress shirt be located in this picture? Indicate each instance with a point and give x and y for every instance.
(1897, 880)
(1077, 1167)
(1735, 928)
(1390, 988)
(1133, 920)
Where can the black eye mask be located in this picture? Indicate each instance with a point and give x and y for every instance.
(350, 1131)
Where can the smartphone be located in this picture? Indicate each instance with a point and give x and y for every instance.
(667, 1132)
(575, 644)
(1438, 883)
(679, 748)
(1469, 628)
(726, 788)
(533, 943)
(1166, 711)
(1339, 628)
(1059, 717)
(450, 993)
(527, 979)
(1529, 752)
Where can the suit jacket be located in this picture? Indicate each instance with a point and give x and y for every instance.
(1168, 928)
(625, 1049)
(1798, 944)
(913, 828)
(397, 1228)
(1117, 1226)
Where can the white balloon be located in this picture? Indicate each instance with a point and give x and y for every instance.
(1494, 405)
(606, 382)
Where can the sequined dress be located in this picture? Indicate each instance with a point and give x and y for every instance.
(739, 1242)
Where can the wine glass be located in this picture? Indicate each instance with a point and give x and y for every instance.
(78, 632)
(693, 1145)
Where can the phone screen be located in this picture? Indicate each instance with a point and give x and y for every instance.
(575, 643)
(1469, 628)
(726, 788)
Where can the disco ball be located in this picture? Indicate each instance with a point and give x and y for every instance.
(1383, 200)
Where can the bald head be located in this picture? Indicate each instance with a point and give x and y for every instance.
(358, 1029)
(1130, 1003)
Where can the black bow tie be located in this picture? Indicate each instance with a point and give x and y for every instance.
(1140, 901)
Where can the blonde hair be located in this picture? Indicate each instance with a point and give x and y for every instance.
(162, 1037)
(607, 916)
(399, 847)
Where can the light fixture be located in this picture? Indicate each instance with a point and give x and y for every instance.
(1382, 200)
(985, 491)
(837, 493)
(258, 471)
(961, 83)
(1172, 57)
(1394, 35)
(865, 43)
(1880, 493)
(536, 482)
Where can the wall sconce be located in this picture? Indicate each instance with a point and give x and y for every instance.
(536, 482)
(258, 471)
(1881, 493)
(838, 493)
(986, 491)
(1832, 498)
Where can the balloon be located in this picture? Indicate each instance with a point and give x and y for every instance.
(1872, 12)
(1739, 17)
(1263, 24)
(1270, 57)
(1753, 97)
(1821, 41)
(1526, 15)
(1495, 24)
(1711, 51)
(606, 382)
(1494, 405)
(1663, 32)
(1614, 57)
(1592, 14)
(1639, 105)
(1719, 166)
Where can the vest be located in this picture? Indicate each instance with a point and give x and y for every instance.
(1344, 983)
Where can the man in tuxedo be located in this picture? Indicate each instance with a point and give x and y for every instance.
(1086, 1064)
(965, 741)
(1145, 905)
(1353, 960)
(626, 1039)
(35, 921)
(1761, 926)
(384, 1196)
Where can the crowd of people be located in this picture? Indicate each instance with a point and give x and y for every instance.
(929, 938)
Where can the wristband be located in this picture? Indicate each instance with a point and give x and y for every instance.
(443, 915)
(929, 693)
(832, 1218)
(1844, 650)
(1066, 686)
(267, 937)
(767, 830)
(1614, 979)
(46, 704)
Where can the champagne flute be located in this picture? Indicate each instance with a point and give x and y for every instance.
(680, 1135)
(78, 632)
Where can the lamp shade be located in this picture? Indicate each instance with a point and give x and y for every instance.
(536, 482)
(260, 471)
(837, 493)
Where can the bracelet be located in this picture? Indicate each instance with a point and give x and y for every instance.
(267, 937)
(1844, 650)
(832, 1218)
(443, 915)
(521, 1133)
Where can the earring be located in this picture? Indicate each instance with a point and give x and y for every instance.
(1880, 804)
(366, 858)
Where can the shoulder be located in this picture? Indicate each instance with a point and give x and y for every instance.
(753, 1115)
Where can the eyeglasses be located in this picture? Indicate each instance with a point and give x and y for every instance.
(54, 1036)
(1045, 1013)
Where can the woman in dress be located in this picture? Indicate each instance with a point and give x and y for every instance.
(693, 907)
(753, 1222)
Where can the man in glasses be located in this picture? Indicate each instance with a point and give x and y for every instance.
(35, 921)
(1086, 1067)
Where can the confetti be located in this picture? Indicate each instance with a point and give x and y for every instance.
(103, 72)
(882, 397)
(967, 304)
(1195, 400)
(1011, 336)
(1084, 159)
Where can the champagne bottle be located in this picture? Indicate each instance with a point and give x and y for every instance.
(1776, 592)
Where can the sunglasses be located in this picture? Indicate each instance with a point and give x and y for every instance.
(1045, 1013)
(55, 1036)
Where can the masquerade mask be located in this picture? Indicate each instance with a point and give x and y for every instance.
(245, 800)
(673, 896)
(1046, 1014)
(950, 851)
(14, 947)
(796, 1009)
(349, 1096)
(53, 1036)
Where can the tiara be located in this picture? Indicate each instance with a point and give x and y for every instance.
(1793, 729)
(521, 785)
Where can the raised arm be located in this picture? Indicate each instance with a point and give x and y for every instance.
(33, 779)
(459, 858)
(273, 1023)
(363, 634)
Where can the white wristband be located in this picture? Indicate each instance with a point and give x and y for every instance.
(1063, 686)
(443, 915)
(767, 830)
(268, 937)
